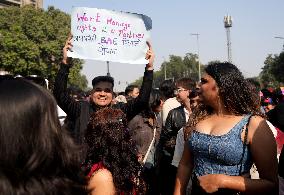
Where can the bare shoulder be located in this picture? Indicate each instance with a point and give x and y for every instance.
(101, 182)
(255, 121)
(258, 126)
(102, 175)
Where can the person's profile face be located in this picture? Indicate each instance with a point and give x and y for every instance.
(181, 93)
(208, 89)
(102, 94)
(159, 108)
(135, 92)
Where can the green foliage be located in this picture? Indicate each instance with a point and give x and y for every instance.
(177, 67)
(214, 62)
(272, 71)
(277, 68)
(31, 42)
(138, 82)
(191, 63)
(76, 79)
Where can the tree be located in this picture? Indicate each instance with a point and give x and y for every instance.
(176, 68)
(75, 78)
(269, 76)
(214, 62)
(191, 62)
(277, 68)
(31, 42)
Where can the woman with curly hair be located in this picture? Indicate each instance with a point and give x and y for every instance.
(227, 134)
(37, 156)
(111, 162)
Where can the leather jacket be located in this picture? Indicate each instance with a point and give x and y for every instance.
(175, 121)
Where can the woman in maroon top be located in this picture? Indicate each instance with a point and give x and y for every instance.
(111, 162)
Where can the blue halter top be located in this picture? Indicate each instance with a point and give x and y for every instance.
(220, 154)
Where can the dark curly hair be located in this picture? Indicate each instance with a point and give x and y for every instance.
(37, 156)
(234, 90)
(108, 141)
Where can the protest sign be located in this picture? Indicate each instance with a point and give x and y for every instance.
(109, 35)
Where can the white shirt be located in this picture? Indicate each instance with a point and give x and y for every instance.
(179, 143)
(178, 154)
(178, 148)
(186, 114)
(61, 115)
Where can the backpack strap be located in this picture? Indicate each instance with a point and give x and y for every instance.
(150, 146)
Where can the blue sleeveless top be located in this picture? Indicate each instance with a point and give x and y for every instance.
(220, 154)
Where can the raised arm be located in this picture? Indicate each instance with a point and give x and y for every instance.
(68, 104)
(150, 56)
(135, 106)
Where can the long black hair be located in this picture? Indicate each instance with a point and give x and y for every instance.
(36, 155)
(108, 141)
(154, 101)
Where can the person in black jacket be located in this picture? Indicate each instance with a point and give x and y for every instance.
(102, 94)
(176, 119)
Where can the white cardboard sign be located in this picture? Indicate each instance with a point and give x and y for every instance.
(106, 35)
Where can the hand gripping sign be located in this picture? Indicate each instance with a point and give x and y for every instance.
(106, 35)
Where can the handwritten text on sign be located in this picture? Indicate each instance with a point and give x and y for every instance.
(109, 35)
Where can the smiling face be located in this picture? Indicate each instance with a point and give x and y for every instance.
(208, 90)
(102, 94)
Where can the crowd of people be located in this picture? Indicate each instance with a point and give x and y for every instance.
(186, 137)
